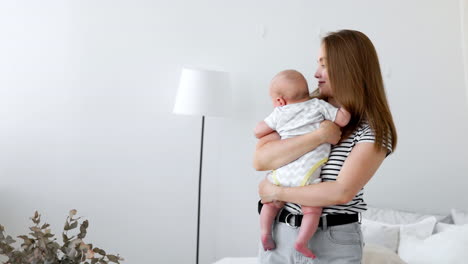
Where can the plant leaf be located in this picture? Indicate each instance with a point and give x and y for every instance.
(99, 251)
(72, 213)
(9, 240)
(35, 229)
(70, 227)
(113, 258)
(73, 225)
(84, 226)
(23, 237)
(67, 226)
(36, 218)
(82, 235)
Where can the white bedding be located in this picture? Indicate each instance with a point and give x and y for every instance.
(422, 238)
(373, 254)
(252, 260)
(399, 237)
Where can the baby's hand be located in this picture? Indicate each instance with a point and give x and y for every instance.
(278, 204)
(342, 117)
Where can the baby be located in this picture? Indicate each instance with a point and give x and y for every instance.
(295, 114)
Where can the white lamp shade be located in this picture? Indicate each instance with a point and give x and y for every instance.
(203, 92)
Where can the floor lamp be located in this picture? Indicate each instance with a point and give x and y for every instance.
(203, 93)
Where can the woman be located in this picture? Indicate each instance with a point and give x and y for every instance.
(348, 76)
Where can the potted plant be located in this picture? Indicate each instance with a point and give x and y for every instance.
(40, 245)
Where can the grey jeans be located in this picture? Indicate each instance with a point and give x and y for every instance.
(340, 244)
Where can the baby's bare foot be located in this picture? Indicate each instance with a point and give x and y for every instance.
(268, 242)
(302, 248)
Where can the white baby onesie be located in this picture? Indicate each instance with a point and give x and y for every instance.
(297, 119)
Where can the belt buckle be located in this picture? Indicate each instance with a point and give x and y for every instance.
(286, 220)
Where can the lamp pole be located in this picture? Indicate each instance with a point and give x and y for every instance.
(199, 188)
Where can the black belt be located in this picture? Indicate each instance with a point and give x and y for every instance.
(331, 220)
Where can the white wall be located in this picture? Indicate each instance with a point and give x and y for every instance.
(86, 93)
(464, 31)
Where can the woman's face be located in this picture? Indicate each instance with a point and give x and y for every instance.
(322, 75)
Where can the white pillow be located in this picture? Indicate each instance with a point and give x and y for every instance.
(441, 227)
(388, 236)
(459, 217)
(375, 254)
(396, 217)
(422, 229)
(450, 246)
(379, 233)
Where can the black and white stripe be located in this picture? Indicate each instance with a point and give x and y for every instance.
(330, 171)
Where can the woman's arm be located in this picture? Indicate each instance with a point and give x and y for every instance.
(272, 153)
(357, 170)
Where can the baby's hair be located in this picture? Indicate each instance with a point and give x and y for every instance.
(291, 84)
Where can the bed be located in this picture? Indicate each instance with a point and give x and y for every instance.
(400, 237)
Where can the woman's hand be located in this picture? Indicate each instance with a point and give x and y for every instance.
(272, 153)
(267, 191)
(330, 132)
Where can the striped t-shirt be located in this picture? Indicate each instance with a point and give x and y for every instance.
(331, 169)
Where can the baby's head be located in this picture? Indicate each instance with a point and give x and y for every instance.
(288, 87)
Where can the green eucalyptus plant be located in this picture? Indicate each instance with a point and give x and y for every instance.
(40, 247)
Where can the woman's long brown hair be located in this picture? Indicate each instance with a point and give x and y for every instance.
(356, 80)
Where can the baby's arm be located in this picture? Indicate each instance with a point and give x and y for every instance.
(342, 117)
(262, 129)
